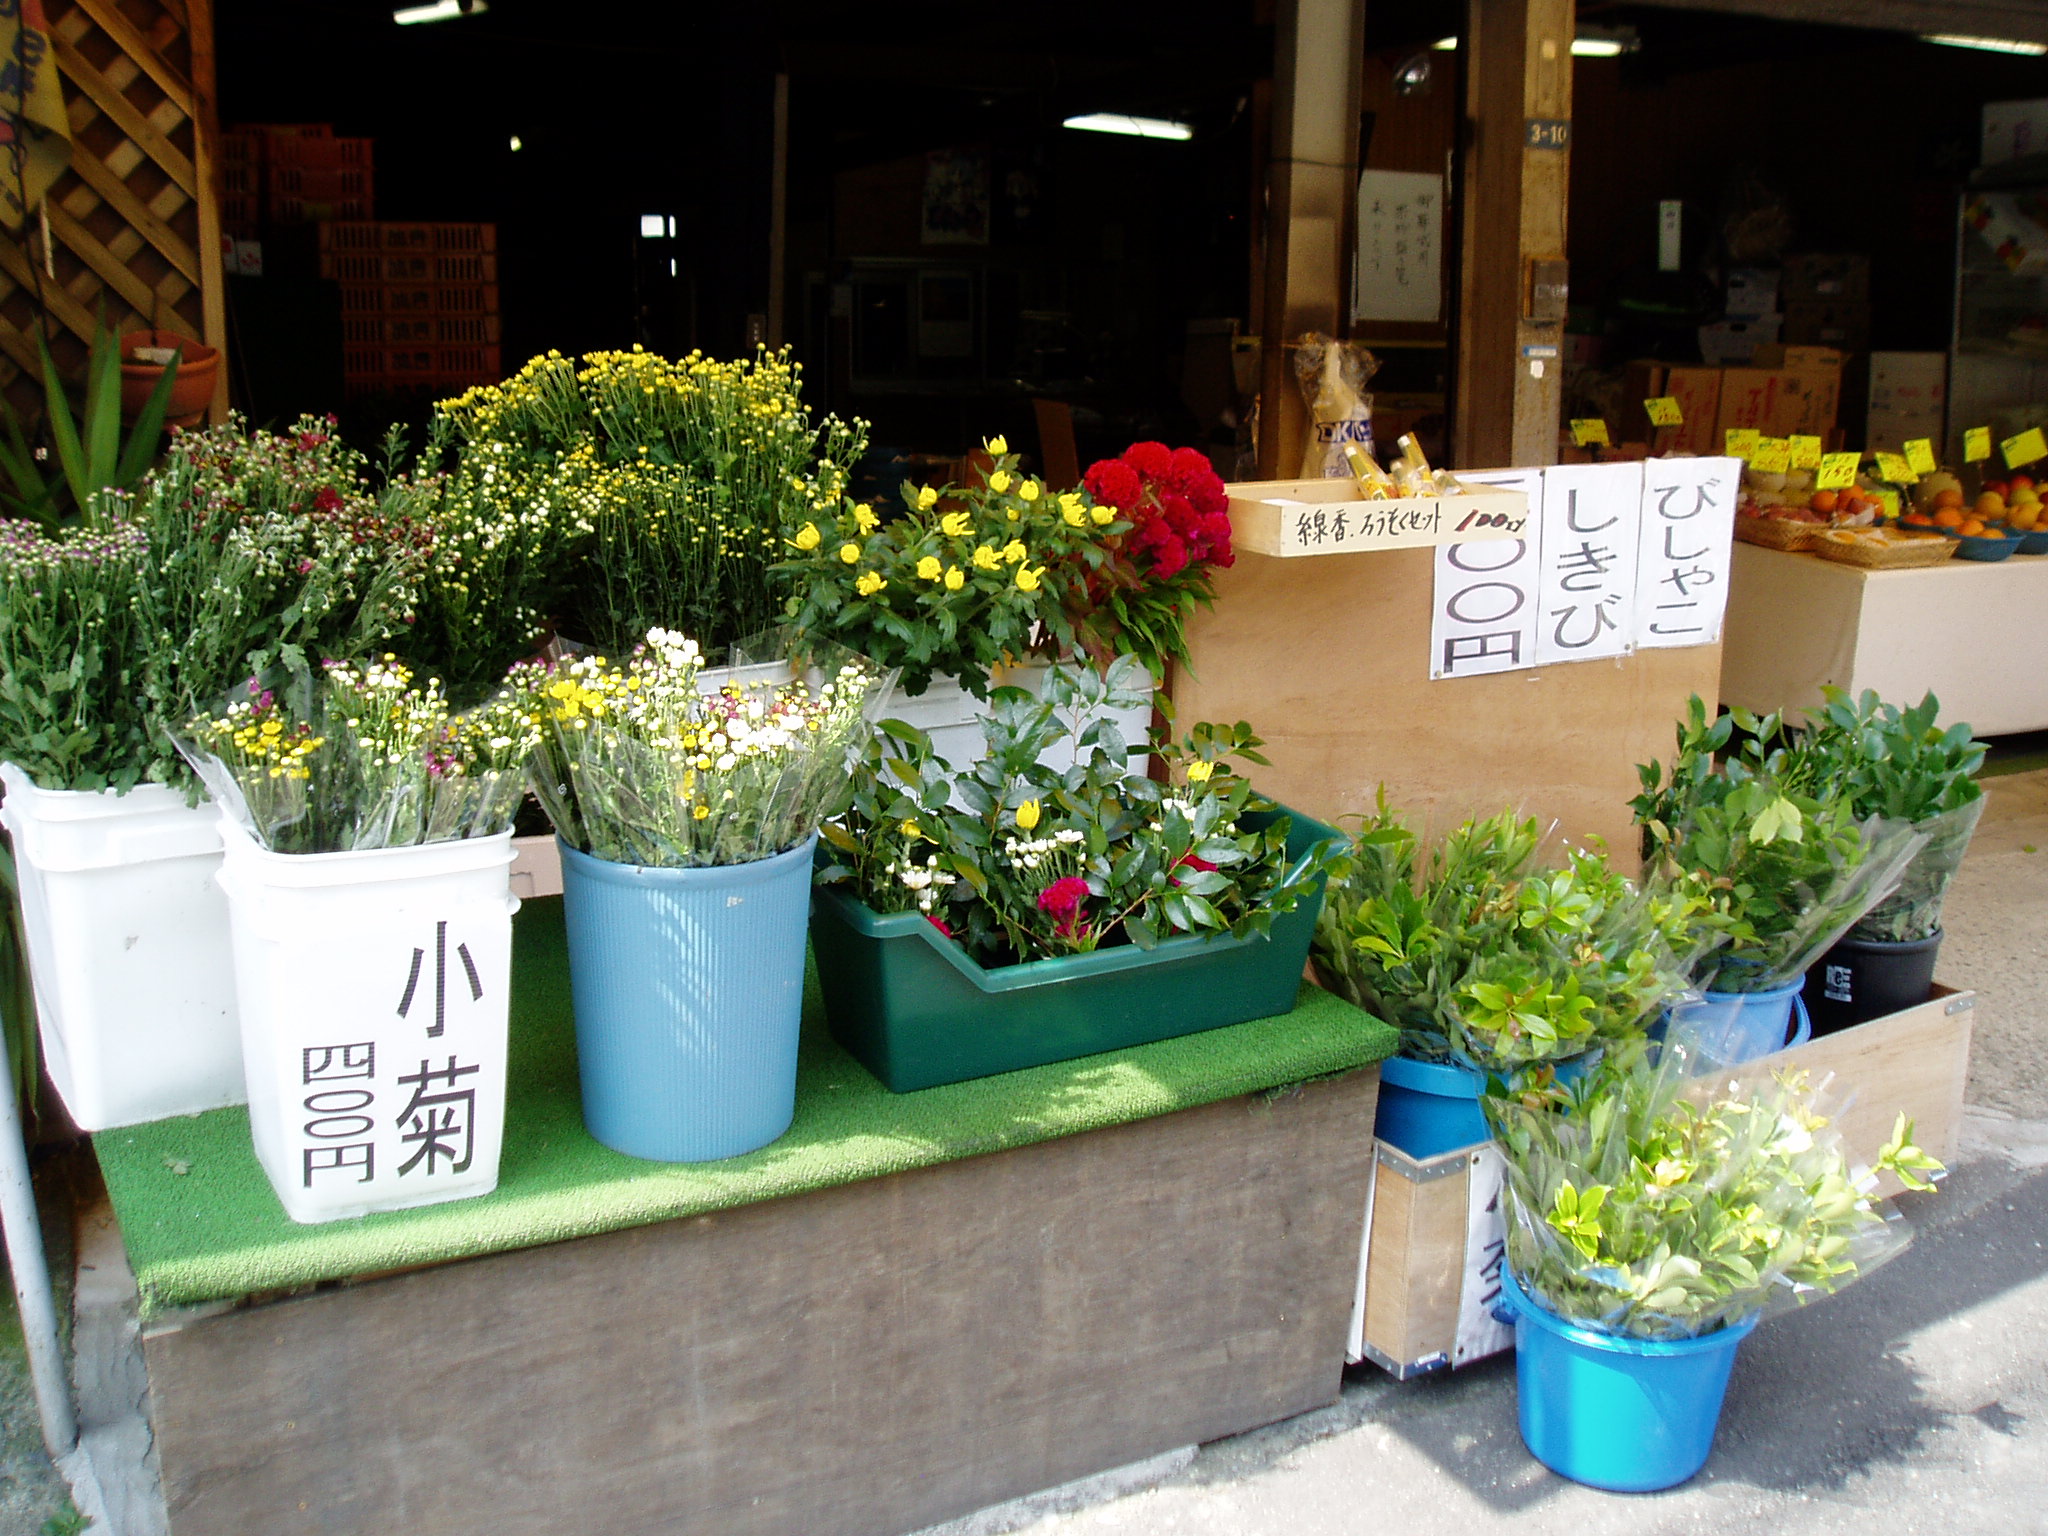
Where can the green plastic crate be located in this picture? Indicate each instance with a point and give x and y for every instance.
(917, 1012)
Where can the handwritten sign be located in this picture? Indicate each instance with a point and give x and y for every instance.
(1894, 470)
(1920, 454)
(1284, 525)
(1588, 430)
(1688, 533)
(1663, 411)
(1591, 527)
(1837, 471)
(1741, 441)
(1805, 452)
(2024, 448)
(1773, 456)
(1976, 445)
(1399, 271)
(1483, 612)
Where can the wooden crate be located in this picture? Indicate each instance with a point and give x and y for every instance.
(1429, 1269)
(1292, 518)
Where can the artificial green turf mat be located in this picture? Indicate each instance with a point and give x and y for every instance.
(201, 1223)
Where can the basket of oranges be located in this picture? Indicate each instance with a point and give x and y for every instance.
(2005, 515)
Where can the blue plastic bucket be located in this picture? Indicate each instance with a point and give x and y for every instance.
(1427, 1107)
(1631, 1415)
(688, 985)
(1727, 1029)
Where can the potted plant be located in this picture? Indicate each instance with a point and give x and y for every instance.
(91, 454)
(1787, 864)
(978, 920)
(1901, 766)
(687, 821)
(1494, 963)
(1652, 1220)
(155, 360)
(367, 840)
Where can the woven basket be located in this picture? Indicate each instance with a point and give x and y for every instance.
(1773, 533)
(1899, 552)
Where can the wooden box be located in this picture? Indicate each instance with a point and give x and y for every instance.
(1429, 1270)
(1288, 518)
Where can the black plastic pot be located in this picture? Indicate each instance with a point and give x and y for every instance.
(1861, 979)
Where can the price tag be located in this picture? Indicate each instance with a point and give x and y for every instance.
(1664, 412)
(1588, 430)
(2025, 448)
(1894, 470)
(1889, 500)
(1976, 445)
(1773, 456)
(1741, 441)
(1837, 471)
(1920, 454)
(1805, 451)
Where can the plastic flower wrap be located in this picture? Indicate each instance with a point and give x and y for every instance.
(1648, 1203)
(1018, 861)
(639, 765)
(1496, 955)
(373, 759)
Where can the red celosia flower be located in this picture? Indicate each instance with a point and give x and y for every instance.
(1190, 466)
(1154, 460)
(1114, 483)
(1180, 513)
(1171, 560)
(938, 925)
(1063, 897)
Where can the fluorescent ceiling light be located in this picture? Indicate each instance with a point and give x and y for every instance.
(440, 10)
(1596, 47)
(1136, 127)
(516, 144)
(651, 226)
(1445, 45)
(1985, 44)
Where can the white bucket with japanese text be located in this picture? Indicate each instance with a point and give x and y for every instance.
(128, 945)
(373, 991)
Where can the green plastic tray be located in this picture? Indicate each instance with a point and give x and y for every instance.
(917, 1012)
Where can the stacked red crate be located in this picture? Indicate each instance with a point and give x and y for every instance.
(419, 303)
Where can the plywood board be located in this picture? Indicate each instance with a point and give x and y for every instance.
(1328, 517)
(1415, 1263)
(861, 1361)
(1328, 660)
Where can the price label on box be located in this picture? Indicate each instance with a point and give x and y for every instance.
(1976, 445)
(1805, 451)
(1588, 430)
(1837, 471)
(1893, 469)
(1742, 441)
(2025, 448)
(1920, 454)
(1664, 412)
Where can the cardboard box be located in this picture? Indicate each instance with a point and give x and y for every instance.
(1826, 278)
(2013, 129)
(1908, 398)
(1736, 341)
(1752, 291)
(1698, 393)
(1779, 401)
(1843, 324)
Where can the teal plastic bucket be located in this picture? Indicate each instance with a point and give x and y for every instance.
(1630, 1415)
(1726, 1029)
(688, 986)
(1427, 1107)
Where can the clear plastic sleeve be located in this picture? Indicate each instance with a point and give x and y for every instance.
(1913, 909)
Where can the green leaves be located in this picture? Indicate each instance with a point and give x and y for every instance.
(1577, 1216)
(1780, 818)
(1905, 1161)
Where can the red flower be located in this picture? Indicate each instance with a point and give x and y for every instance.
(1114, 483)
(1171, 559)
(327, 499)
(1209, 497)
(1191, 861)
(1180, 513)
(1216, 534)
(1190, 467)
(1063, 898)
(938, 925)
(1153, 460)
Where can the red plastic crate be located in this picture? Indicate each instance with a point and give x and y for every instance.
(237, 148)
(466, 298)
(240, 214)
(301, 210)
(322, 153)
(240, 179)
(376, 267)
(465, 267)
(465, 237)
(472, 365)
(351, 235)
(287, 130)
(388, 330)
(324, 185)
(466, 330)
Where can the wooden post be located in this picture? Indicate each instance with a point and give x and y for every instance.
(778, 217)
(206, 194)
(1311, 197)
(1518, 105)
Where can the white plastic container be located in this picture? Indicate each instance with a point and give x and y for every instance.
(128, 947)
(373, 994)
(951, 717)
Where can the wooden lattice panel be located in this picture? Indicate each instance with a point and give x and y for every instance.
(134, 226)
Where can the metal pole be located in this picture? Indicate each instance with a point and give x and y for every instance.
(23, 1230)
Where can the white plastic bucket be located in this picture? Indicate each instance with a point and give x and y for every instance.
(128, 946)
(951, 717)
(373, 997)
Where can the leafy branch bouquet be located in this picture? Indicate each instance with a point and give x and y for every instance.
(1787, 863)
(1016, 861)
(368, 758)
(1484, 954)
(637, 764)
(1650, 1204)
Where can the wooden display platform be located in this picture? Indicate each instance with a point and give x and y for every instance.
(1969, 630)
(859, 1361)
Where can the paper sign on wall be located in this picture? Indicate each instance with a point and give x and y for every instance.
(1592, 525)
(1483, 612)
(1399, 271)
(1688, 532)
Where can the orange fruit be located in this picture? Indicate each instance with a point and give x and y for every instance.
(1948, 497)
(1824, 501)
(1948, 517)
(1973, 529)
(1918, 519)
(2022, 482)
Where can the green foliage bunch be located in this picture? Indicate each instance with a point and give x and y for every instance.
(92, 454)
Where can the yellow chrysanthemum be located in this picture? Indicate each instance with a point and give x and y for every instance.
(955, 578)
(986, 558)
(869, 584)
(807, 537)
(928, 568)
(1014, 551)
(864, 518)
(1027, 577)
(956, 525)
(927, 498)
(999, 482)
(1103, 516)
(850, 553)
(1198, 772)
(1073, 517)
(997, 445)
(1028, 490)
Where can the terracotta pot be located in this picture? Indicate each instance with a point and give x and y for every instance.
(190, 395)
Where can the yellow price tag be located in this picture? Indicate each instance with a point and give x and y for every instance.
(1976, 445)
(1920, 454)
(2025, 448)
(1588, 430)
(1773, 456)
(1664, 412)
(1894, 470)
(1805, 451)
(1741, 441)
(1889, 500)
(1837, 472)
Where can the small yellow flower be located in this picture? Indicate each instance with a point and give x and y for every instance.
(999, 482)
(700, 811)
(928, 568)
(1198, 772)
(986, 558)
(911, 829)
(997, 445)
(956, 525)
(955, 579)
(927, 498)
(1027, 577)
(869, 584)
(1028, 490)
(1103, 516)
(1027, 815)
(864, 518)
(1073, 517)
(850, 553)
(1014, 551)
(807, 537)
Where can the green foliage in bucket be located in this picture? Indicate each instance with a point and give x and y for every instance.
(1652, 1204)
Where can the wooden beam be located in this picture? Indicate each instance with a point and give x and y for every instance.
(138, 215)
(17, 265)
(108, 18)
(206, 189)
(2022, 20)
(17, 346)
(124, 114)
(112, 271)
(1518, 91)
